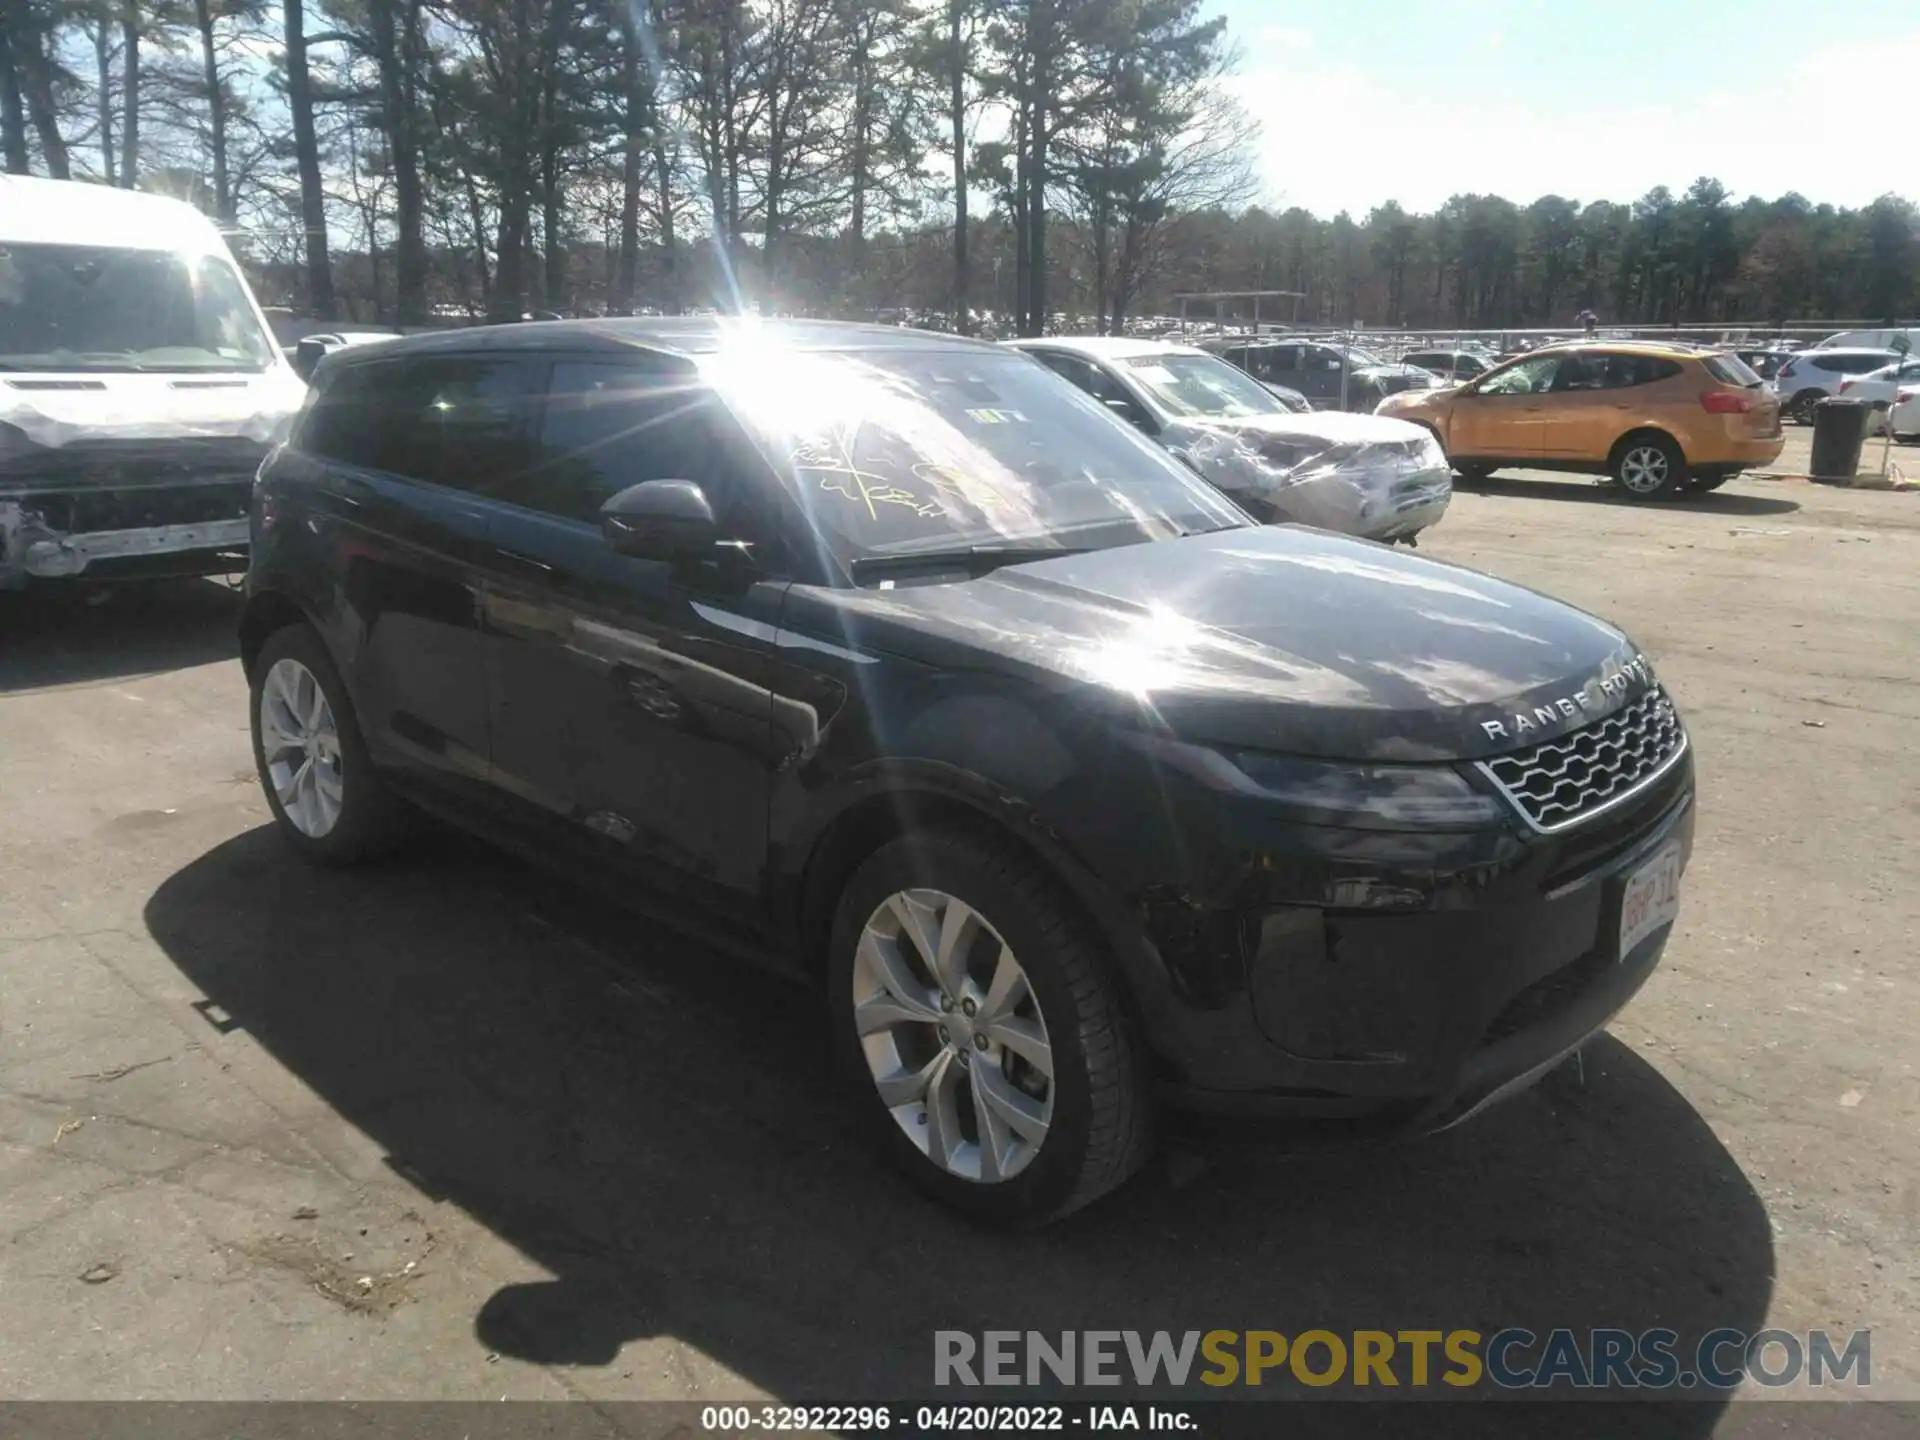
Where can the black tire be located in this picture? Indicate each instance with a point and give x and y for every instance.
(1101, 1128)
(1648, 465)
(370, 819)
(1800, 407)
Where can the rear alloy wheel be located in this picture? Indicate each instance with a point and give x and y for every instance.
(1800, 407)
(1650, 467)
(318, 778)
(986, 1030)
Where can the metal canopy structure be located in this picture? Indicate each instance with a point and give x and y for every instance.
(1220, 298)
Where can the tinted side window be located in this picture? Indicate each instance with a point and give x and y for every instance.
(1852, 364)
(458, 420)
(453, 420)
(606, 426)
(341, 422)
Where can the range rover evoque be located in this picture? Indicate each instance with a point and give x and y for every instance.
(893, 657)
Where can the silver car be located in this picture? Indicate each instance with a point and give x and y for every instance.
(1365, 475)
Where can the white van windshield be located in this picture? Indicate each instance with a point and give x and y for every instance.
(88, 307)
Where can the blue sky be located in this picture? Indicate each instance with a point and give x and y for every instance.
(1361, 101)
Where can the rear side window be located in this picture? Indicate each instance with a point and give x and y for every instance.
(1731, 370)
(1852, 364)
(454, 420)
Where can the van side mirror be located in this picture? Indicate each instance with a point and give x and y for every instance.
(659, 520)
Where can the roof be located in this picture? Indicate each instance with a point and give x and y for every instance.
(1106, 347)
(673, 334)
(74, 212)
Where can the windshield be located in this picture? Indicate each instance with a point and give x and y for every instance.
(894, 451)
(1201, 385)
(1731, 370)
(86, 307)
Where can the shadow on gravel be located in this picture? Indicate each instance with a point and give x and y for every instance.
(1586, 488)
(72, 633)
(657, 1126)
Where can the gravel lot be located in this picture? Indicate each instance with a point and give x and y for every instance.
(449, 1129)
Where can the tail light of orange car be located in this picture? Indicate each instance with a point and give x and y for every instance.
(1726, 402)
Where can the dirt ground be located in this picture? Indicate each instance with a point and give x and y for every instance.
(449, 1129)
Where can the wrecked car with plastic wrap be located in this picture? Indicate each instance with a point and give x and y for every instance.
(140, 387)
(1361, 475)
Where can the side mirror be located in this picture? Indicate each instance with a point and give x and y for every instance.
(659, 520)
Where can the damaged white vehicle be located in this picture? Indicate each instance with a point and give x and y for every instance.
(1365, 475)
(140, 387)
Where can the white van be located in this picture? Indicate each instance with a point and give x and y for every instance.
(1903, 341)
(140, 386)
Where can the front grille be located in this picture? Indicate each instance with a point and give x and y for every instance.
(1562, 782)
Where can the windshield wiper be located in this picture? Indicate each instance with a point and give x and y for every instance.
(974, 559)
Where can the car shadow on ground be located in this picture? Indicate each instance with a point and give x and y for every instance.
(1593, 492)
(70, 633)
(659, 1128)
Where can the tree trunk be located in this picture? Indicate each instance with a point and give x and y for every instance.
(957, 106)
(306, 151)
(509, 298)
(554, 272)
(633, 128)
(13, 115)
(396, 42)
(669, 259)
(130, 95)
(478, 222)
(1100, 264)
(216, 109)
(36, 81)
(102, 57)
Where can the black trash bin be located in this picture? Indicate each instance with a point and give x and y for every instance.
(1839, 432)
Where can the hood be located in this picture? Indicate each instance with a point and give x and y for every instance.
(1358, 474)
(56, 410)
(1282, 639)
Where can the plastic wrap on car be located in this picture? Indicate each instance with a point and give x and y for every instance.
(1358, 486)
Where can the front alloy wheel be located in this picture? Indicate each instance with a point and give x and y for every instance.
(953, 1036)
(1650, 468)
(983, 1026)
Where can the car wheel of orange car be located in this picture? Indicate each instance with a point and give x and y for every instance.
(1649, 466)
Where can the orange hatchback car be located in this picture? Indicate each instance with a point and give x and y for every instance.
(1660, 419)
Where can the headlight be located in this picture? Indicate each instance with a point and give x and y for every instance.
(1392, 797)
(1320, 792)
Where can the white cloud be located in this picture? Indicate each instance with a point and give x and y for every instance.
(1336, 138)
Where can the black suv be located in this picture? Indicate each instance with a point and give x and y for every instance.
(894, 658)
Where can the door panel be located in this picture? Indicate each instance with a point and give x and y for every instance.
(410, 446)
(1497, 426)
(636, 703)
(1505, 416)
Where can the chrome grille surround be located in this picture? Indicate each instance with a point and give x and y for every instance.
(1561, 783)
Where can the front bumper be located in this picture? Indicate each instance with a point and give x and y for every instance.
(113, 509)
(1388, 982)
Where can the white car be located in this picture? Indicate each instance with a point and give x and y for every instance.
(1365, 475)
(142, 389)
(1813, 375)
(1905, 416)
(1883, 385)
